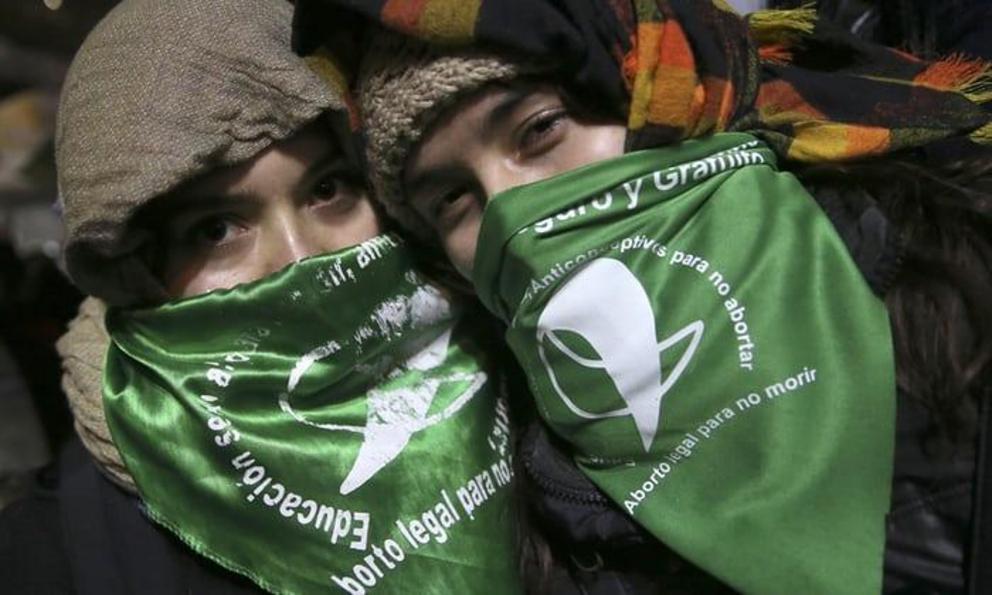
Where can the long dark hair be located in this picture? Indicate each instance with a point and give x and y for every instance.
(940, 302)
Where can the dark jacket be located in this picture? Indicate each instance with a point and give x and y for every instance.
(79, 533)
(597, 549)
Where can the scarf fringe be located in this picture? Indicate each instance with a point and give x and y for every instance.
(982, 136)
(332, 71)
(776, 53)
(780, 30)
(961, 74)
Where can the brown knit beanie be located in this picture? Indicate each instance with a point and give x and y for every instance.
(160, 92)
(403, 87)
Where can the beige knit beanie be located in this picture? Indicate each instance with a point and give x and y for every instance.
(403, 87)
(162, 91)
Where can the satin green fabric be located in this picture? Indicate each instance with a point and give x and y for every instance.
(335, 427)
(693, 326)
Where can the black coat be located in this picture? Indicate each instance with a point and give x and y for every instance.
(79, 533)
(599, 550)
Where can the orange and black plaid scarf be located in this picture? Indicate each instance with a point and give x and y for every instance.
(685, 68)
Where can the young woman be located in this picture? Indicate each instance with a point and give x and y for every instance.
(717, 342)
(284, 402)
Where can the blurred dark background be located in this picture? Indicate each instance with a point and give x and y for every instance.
(36, 301)
(31, 24)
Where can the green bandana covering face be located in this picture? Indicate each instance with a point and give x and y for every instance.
(691, 323)
(330, 428)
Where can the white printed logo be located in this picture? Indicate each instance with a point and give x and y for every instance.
(606, 305)
(394, 415)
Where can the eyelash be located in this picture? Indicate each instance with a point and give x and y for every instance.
(449, 208)
(532, 140)
(195, 234)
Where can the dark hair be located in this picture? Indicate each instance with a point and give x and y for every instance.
(939, 301)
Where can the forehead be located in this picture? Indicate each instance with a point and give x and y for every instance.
(270, 170)
(282, 160)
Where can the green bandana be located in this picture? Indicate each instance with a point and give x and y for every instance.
(330, 428)
(691, 323)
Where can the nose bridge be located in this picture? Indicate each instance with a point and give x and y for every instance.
(288, 237)
(493, 175)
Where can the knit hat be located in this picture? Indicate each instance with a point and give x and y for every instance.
(160, 92)
(403, 87)
(679, 69)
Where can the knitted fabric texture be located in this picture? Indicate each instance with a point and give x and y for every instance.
(404, 85)
(83, 350)
(678, 69)
(160, 92)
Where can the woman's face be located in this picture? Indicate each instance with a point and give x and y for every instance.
(498, 139)
(298, 198)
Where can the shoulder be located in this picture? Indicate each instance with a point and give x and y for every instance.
(79, 533)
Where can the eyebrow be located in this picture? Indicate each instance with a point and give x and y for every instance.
(183, 204)
(206, 201)
(507, 104)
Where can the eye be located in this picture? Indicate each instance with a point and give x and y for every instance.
(451, 208)
(326, 188)
(202, 237)
(211, 230)
(541, 132)
(335, 187)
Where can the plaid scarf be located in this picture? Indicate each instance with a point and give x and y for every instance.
(679, 69)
